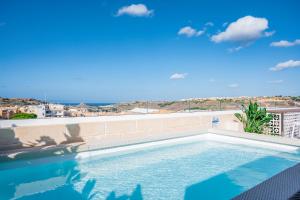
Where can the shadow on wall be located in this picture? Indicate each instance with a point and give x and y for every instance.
(43, 141)
(72, 134)
(43, 147)
(9, 141)
(39, 152)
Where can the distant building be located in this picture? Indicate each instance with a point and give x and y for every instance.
(285, 122)
(83, 107)
(144, 110)
(53, 106)
(7, 112)
(75, 112)
(39, 110)
(55, 110)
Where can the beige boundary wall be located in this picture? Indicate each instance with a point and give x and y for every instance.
(110, 131)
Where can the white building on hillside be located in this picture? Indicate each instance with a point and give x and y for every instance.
(144, 110)
(39, 110)
(55, 110)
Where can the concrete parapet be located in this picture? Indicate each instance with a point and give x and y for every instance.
(112, 131)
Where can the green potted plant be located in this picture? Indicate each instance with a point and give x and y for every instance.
(254, 118)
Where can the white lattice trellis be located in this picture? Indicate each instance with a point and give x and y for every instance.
(291, 122)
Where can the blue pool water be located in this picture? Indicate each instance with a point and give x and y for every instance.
(189, 171)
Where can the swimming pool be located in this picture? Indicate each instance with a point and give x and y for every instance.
(198, 167)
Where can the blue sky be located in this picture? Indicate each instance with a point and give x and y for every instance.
(112, 51)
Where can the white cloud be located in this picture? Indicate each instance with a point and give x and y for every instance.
(187, 31)
(269, 33)
(285, 43)
(178, 76)
(235, 49)
(201, 32)
(233, 85)
(286, 65)
(139, 10)
(209, 24)
(190, 32)
(275, 81)
(245, 29)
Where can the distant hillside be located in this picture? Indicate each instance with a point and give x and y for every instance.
(195, 104)
(201, 104)
(18, 101)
